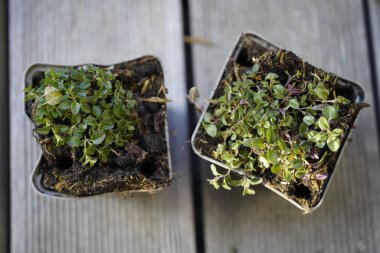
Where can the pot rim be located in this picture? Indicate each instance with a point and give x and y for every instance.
(35, 177)
(268, 45)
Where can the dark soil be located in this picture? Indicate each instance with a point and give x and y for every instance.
(306, 196)
(141, 164)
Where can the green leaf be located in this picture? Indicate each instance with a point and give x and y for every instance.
(271, 76)
(214, 182)
(333, 143)
(337, 132)
(90, 150)
(249, 166)
(75, 107)
(275, 169)
(40, 121)
(255, 143)
(109, 75)
(53, 98)
(84, 85)
(86, 108)
(108, 85)
(97, 111)
(321, 137)
(73, 141)
(303, 128)
(103, 153)
(266, 124)
(330, 112)
(269, 135)
(342, 100)
(321, 144)
(323, 123)
(288, 121)
(119, 111)
(91, 160)
(207, 117)
(296, 164)
(193, 94)
(90, 120)
(255, 68)
(255, 180)
(82, 94)
(321, 91)
(264, 161)
(59, 141)
(225, 184)
(43, 130)
(233, 182)
(282, 144)
(82, 126)
(61, 128)
(98, 138)
(300, 173)
(311, 135)
(107, 115)
(288, 176)
(272, 157)
(248, 191)
(233, 137)
(258, 98)
(214, 171)
(107, 125)
(75, 74)
(65, 105)
(293, 103)
(211, 130)
(227, 157)
(308, 119)
(279, 91)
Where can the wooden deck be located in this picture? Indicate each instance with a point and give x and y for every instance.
(341, 36)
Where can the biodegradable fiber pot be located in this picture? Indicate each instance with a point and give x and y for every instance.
(297, 190)
(141, 165)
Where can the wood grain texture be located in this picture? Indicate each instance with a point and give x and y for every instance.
(374, 12)
(4, 134)
(104, 32)
(330, 34)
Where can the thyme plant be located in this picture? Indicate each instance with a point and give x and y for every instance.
(262, 124)
(84, 108)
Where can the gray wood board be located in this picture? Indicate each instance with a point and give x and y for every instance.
(4, 135)
(374, 9)
(330, 34)
(104, 32)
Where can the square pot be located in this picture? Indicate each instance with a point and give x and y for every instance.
(37, 70)
(257, 46)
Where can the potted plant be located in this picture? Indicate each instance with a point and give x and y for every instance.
(275, 119)
(101, 128)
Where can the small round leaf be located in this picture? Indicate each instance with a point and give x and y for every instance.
(308, 119)
(75, 107)
(211, 130)
(333, 143)
(323, 123)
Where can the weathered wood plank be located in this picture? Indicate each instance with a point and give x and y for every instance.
(330, 34)
(4, 131)
(75, 32)
(374, 19)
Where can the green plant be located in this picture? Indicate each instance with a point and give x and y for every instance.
(262, 124)
(85, 109)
